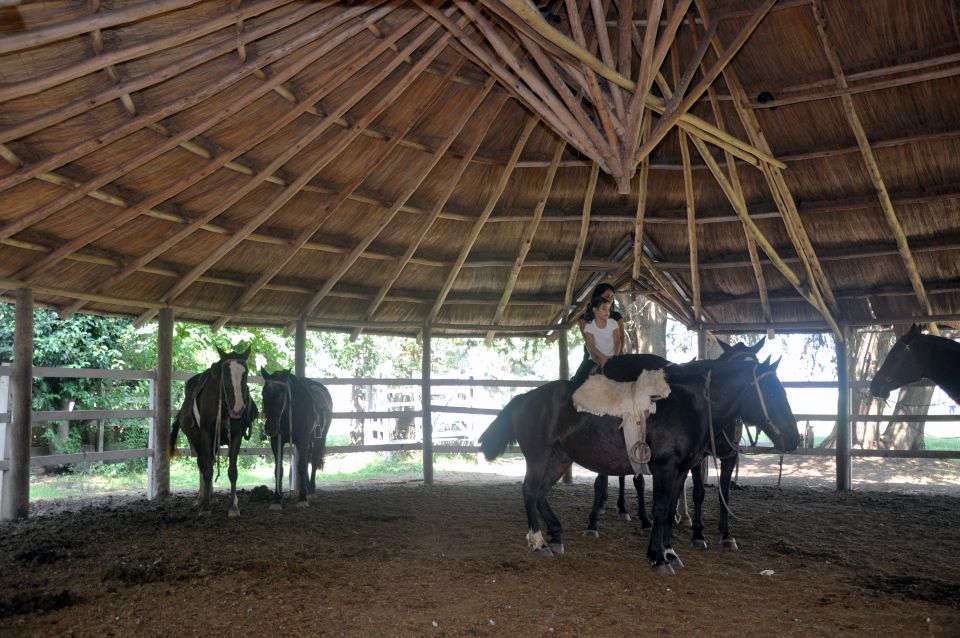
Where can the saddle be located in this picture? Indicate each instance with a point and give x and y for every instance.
(632, 402)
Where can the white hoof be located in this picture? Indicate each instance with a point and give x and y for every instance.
(303, 504)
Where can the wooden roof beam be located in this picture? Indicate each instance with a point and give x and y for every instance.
(372, 163)
(298, 184)
(134, 211)
(677, 107)
(433, 215)
(471, 237)
(853, 118)
(526, 241)
(645, 73)
(582, 237)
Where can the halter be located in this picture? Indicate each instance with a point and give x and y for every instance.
(221, 393)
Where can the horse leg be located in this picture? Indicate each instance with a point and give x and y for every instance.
(641, 506)
(235, 440)
(672, 558)
(682, 511)
(303, 453)
(726, 474)
(205, 466)
(537, 481)
(557, 467)
(314, 464)
(276, 444)
(664, 502)
(622, 500)
(697, 539)
(599, 500)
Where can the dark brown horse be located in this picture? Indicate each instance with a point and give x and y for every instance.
(217, 410)
(704, 394)
(917, 356)
(628, 368)
(297, 411)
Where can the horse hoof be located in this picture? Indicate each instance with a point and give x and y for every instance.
(276, 507)
(664, 568)
(675, 562)
(646, 525)
(699, 543)
(624, 517)
(543, 551)
(556, 548)
(592, 533)
(232, 513)
(729, 543)
(303, 504)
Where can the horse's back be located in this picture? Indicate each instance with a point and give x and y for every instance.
(627, 368)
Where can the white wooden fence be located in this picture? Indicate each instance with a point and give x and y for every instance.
(447, 441)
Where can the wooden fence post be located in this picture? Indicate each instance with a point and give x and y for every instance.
(159, 464)
(844, 473)
(427, 419)
(15, 502)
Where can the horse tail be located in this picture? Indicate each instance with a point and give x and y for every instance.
(174, 433)
(320, 442)
(499, 434)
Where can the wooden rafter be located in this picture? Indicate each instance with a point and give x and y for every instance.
(678, 107)
(853, 119)
(526, 241)
(133, 212)
(582, 237)
(298, 184)
(471, 237)
(641, 211)
(434, 214)
(370, 165)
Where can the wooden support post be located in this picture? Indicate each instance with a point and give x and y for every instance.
(844, 474)
(427, 419)
(158, 469)
(300, 349)
(15, 501)
(701, 343)
(565, 374)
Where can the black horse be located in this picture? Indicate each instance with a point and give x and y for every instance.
(217, 410)
(296, 411)
(628, 368)
(915, 356)
(552, 435)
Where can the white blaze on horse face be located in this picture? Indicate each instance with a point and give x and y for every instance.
(236, 377)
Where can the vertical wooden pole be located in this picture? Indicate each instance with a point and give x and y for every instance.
(427, 418)
(565, 374)
(16, 484)
(300, 349)
(701, 344)
(844, 473)
(4, 428)
(159, 463)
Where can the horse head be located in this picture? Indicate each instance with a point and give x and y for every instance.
(740, 351)
(231, 371)
(902, 365)
(276, 398)
(765, 404)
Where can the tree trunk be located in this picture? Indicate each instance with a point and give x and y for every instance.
(908, 435)
(870, 348)
(646, 325)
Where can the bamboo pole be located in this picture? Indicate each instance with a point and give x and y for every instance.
(452, 182)
(471, 237)
(582, 237)
(526, 241)
(641, 211)
(369, 167)
(853, 119)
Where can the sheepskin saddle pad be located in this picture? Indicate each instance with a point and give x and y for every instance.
(634, 400)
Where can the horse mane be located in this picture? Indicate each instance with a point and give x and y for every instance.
(942, 342)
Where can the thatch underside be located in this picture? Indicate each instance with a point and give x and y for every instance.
(385, 165)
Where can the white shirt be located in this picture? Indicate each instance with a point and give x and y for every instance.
(603, 337)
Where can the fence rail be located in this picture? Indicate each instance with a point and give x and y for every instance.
(446, 442)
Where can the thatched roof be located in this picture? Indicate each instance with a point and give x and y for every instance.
(483, 164)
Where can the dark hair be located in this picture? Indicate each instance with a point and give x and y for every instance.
(595, 302)
(602, 288)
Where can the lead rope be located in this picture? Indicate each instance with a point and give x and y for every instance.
(713, 443)
(216, 430)
(766, 415)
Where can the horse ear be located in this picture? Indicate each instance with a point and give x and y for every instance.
(726, 347)
(766, 361)
(264, 373)
(775, 363)
(221, 352)
(246, 353)
(914, 330)
(756, 347)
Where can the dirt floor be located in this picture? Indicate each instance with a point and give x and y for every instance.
(403, 559)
